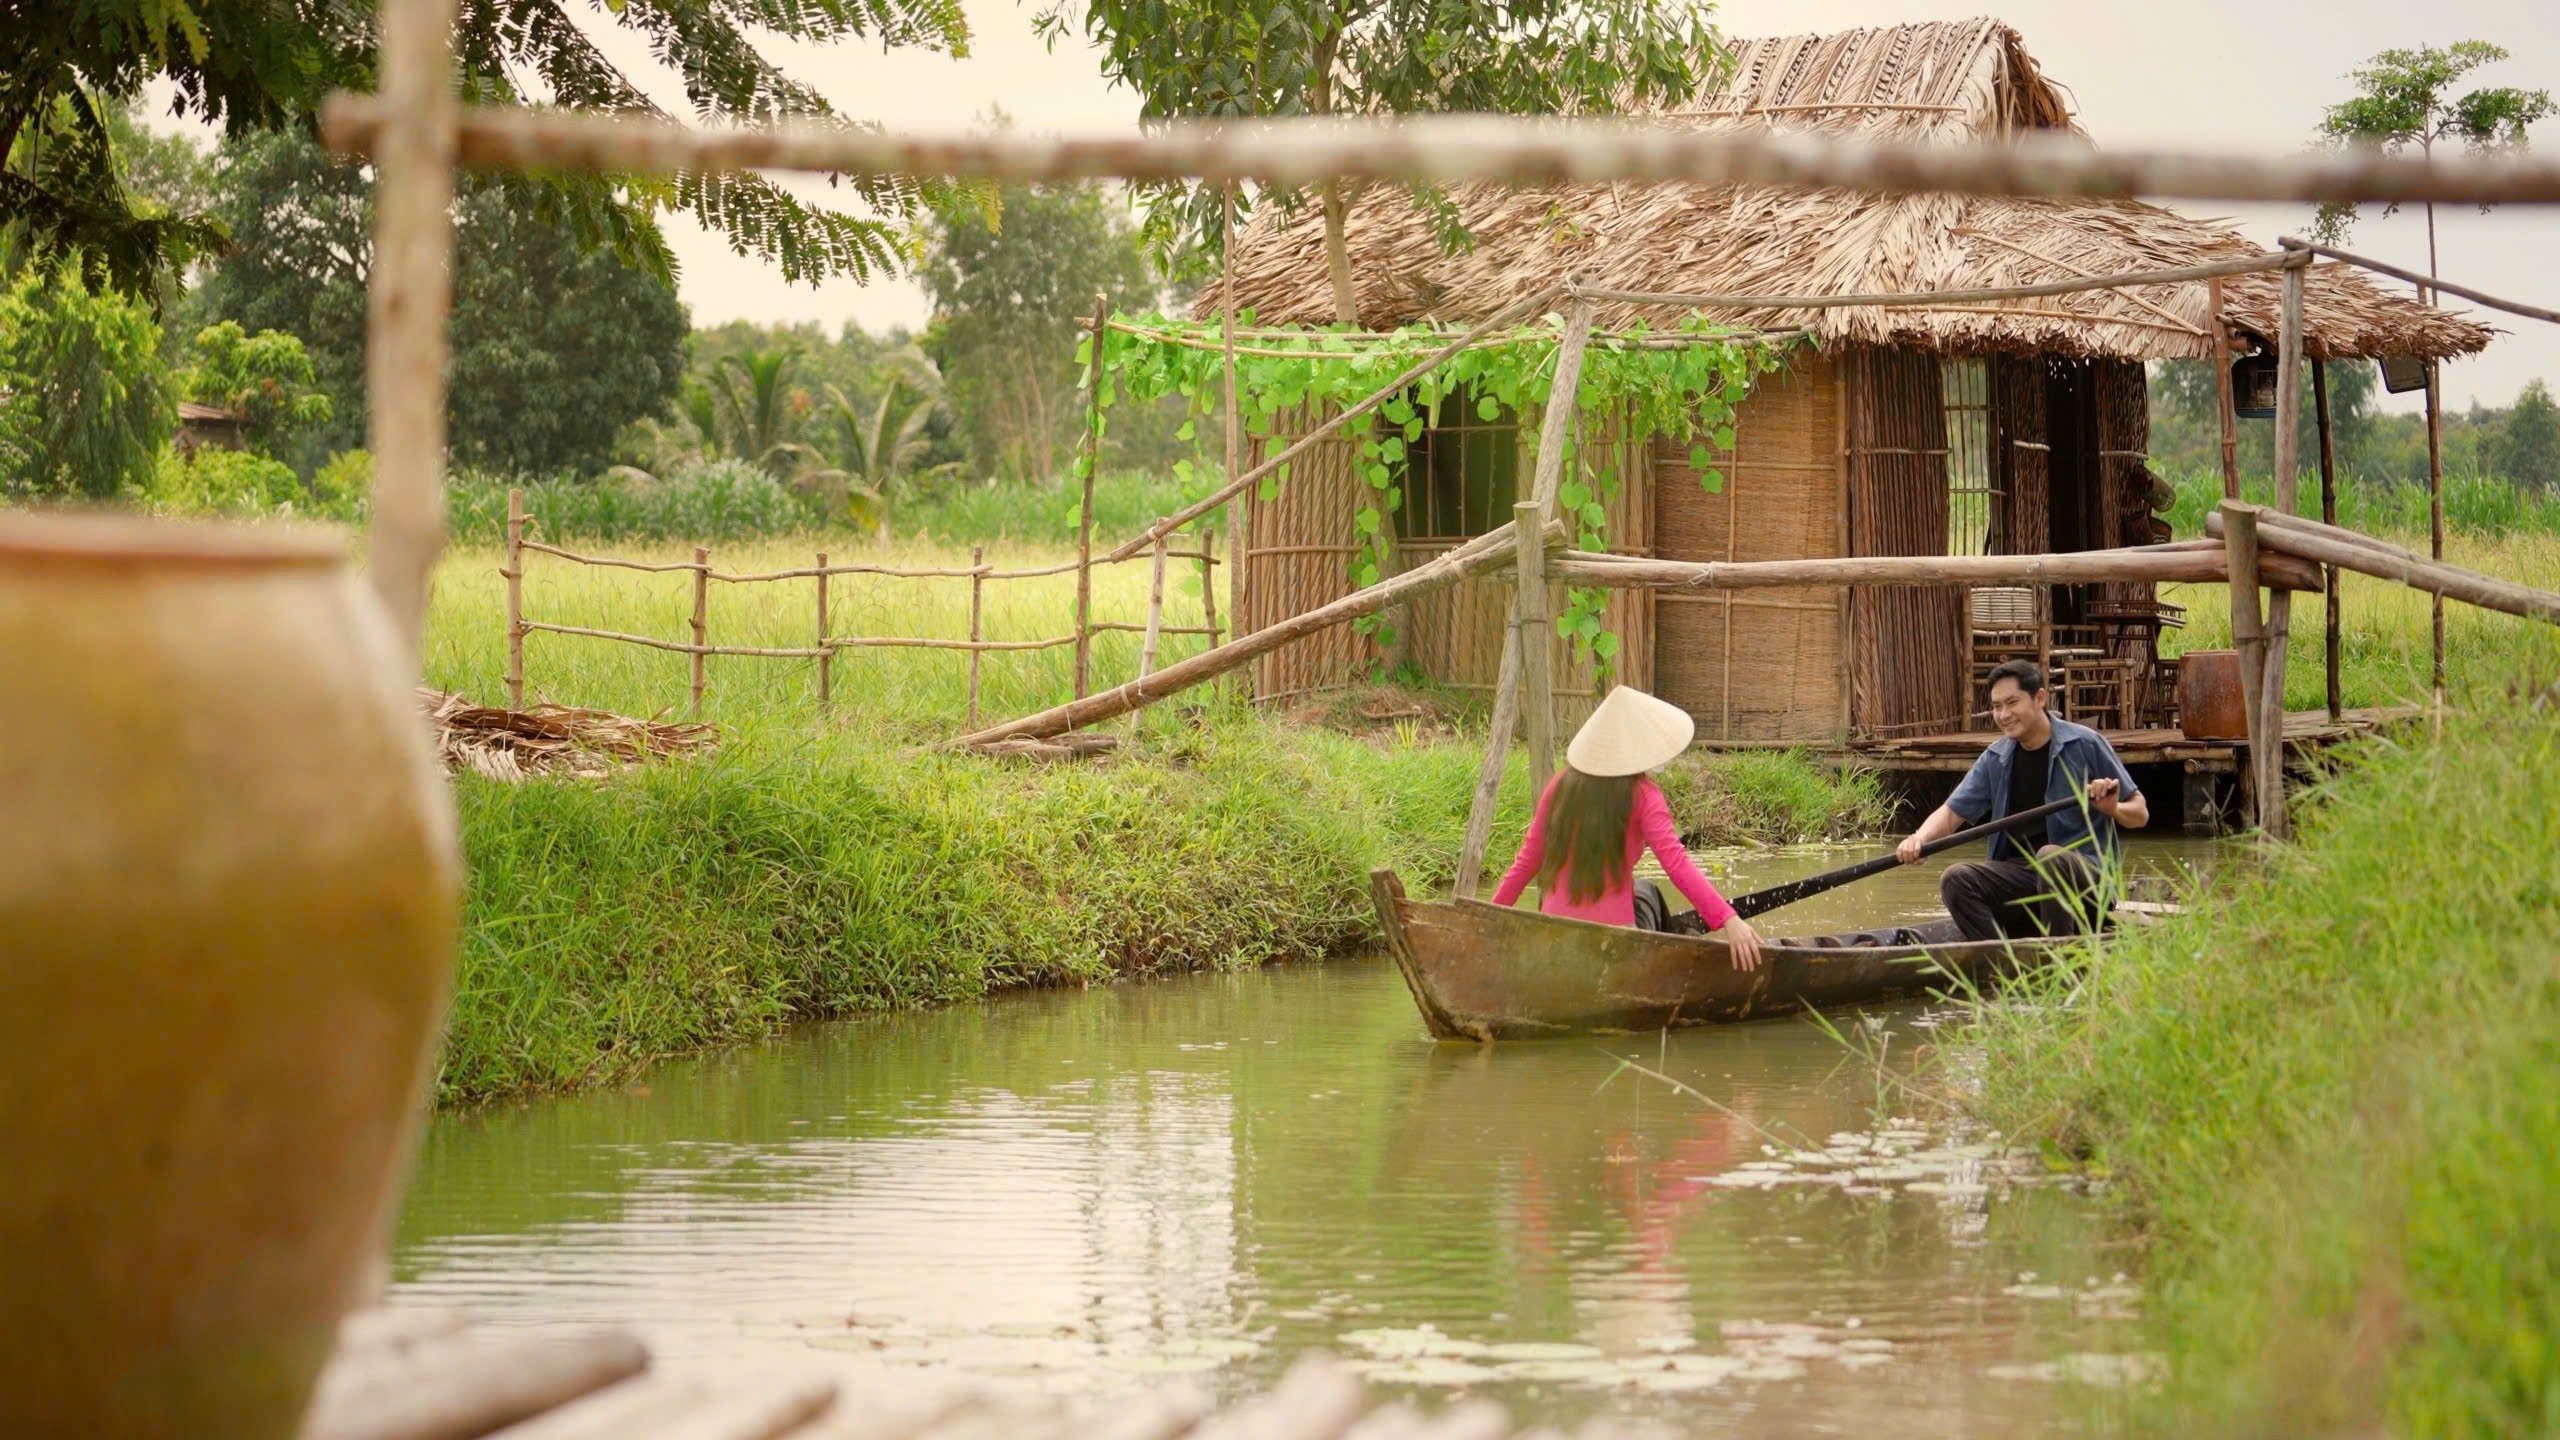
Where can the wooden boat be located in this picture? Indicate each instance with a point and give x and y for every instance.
(1488, 972)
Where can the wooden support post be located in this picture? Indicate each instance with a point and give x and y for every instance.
(2240, 543)
(701, 620)
(2328, 516)
(2435, 511)
(1236, 507)
(1092, 465)
(826, 652)
(1155, 613)
(2277, 637)
(407, 302)
(515, 599)
(1209, 582)
(1469, 875)
(2222, 390)
(1529, 598)
(977, 602)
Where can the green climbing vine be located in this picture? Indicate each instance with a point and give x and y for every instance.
(1686, 391)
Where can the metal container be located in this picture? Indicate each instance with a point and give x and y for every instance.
(2211, 703)
(228, 886)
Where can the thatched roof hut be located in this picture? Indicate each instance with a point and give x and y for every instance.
(2014, 427)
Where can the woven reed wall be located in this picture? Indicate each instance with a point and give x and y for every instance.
(2124, 440)
(1909, 645)
(2024, 466)
(1298, 556)
(1759, 664)
(1300, 546)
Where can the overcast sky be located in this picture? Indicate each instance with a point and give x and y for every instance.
(2215, 73)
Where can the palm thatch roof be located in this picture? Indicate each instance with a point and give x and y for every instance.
(1952, 80)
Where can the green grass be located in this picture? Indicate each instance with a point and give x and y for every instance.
(2332, 1096)
(821, 865)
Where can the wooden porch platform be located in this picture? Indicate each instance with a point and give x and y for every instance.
(433, 1375)
(2304, 730)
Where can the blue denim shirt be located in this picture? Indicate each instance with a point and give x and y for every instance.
(2079, 755)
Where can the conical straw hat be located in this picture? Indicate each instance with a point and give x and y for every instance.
(1631, 732)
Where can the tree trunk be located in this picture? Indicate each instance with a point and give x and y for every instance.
(1337, 255)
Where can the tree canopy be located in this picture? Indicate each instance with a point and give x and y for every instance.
(554, 349)
(262, 65)
(2405, 100)
(85, 405)
(1212, 58)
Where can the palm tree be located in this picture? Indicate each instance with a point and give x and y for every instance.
(746, 411)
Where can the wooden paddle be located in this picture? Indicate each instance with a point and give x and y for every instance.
(1759, 901)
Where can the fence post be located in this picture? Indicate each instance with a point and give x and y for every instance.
(1084, 521)
(1155, 613)
(701, 619)
(515, 599)
(1209, 583)
(826, 652)
(977, 596)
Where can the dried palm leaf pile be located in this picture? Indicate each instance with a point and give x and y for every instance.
(511, 745)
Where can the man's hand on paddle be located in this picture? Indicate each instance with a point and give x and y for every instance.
(2103, 797)
(1743, 941)
(1942, 822)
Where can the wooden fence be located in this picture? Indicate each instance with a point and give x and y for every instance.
(823, 645)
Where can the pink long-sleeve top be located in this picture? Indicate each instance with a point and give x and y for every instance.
(1648, 827)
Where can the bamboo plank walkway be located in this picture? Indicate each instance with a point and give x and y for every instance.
(2304, 730)
(433, 1375)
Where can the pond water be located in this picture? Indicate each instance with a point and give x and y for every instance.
(1096, 1190)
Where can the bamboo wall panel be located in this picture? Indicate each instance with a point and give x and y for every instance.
(1910, 646)
(1302, 542)
(2124, 439)
(2022, 442)
(1758, 664)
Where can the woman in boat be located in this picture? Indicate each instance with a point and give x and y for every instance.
(1602, 811)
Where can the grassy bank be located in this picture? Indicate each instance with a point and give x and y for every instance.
(821, 866)
(2332, 1096)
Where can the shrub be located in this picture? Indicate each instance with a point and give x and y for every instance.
(343, 488)
(225, 482)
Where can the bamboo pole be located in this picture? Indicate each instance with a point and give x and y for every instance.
(515, 598)
(2190, 562)
(977, 597)
(826, 655)
(2330, 625)
(1155, 615)
(2222, 391)
(1237, 484)
(1453, 150)
(1084, 516)
(1209, 582)
(1529, 594)
(2428, 285)
(2274, 815)
(1236, 508)
(758, 652)
(1486, 552)
(407, 301)
(1469, 876)
(2435, 512)
(2240, 538)
(701, 621)
(2346, 549)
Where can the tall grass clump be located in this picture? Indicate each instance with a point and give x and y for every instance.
(2331, 1094)
(2474, 504)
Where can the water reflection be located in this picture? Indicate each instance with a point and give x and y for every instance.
(1093, 1189)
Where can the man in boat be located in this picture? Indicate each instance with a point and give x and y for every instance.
(2045, 877)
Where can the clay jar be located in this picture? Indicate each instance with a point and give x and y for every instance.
(228, 884)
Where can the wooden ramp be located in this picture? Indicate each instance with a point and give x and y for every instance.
(433, 1375)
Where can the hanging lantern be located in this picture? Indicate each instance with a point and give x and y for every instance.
(2403, 373)
(2253, 386)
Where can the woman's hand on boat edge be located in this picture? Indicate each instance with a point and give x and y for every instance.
(1743, 941)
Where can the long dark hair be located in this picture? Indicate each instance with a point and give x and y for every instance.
(1587, 834)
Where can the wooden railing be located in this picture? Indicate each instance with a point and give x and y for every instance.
(823, 644)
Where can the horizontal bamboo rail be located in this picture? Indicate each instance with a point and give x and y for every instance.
(810, 652)
(2143, 563)
(893, 572)
(2428, 283)
(1679, 340)
(1919, 299)
(1462, 149)
(2309, 540)
(908, 642)
(1485, 553)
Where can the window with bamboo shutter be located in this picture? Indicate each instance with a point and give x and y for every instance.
(1463, 475)
(1973, 491)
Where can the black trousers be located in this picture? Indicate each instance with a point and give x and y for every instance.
(2061, 894)
(1654, 913)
